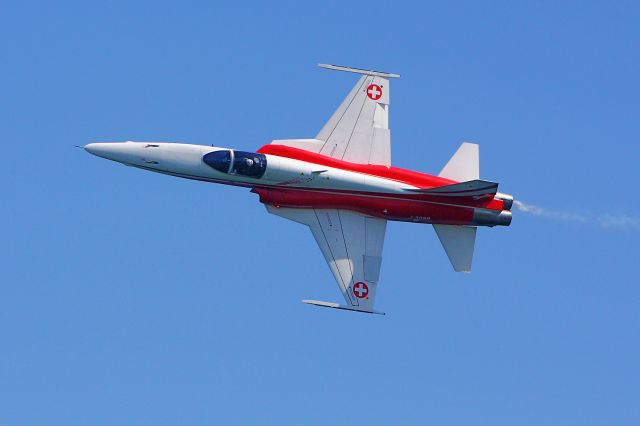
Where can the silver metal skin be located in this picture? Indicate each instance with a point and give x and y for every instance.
(507, 199)
(485, 217)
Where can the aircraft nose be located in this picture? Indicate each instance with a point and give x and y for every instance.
(104, 150)
(123, 152)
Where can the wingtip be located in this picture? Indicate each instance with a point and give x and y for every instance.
(359, 71)
(341, 307)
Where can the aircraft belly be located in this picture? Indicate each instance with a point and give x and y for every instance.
(384, 206)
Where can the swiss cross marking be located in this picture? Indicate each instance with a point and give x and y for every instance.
(360, 290)
(374, 92)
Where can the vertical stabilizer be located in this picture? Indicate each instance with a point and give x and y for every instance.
(458, 243)
(464, 165)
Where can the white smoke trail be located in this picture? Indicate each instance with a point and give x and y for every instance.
(606, 220)
(619, 221)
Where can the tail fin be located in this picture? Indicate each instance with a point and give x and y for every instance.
(458, 242)
(464, 165)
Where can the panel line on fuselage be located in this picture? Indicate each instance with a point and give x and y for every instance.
(379, 195)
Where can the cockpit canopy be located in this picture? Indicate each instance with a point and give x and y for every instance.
(242, 163)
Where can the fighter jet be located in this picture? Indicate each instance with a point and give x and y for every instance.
(342, 186)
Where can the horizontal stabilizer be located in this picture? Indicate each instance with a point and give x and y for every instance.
(339, 306)
(458, 243)
(464, 165)
(473, 188)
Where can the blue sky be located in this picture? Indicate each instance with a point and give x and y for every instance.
(133, 298)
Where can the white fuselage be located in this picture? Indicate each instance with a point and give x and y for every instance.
(185, 160)
(378, 191)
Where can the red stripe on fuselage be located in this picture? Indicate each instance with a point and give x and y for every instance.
(417, 179)
(409, 177)
(401, 209)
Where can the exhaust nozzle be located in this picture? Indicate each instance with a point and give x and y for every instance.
(485, 217)
(506, 199)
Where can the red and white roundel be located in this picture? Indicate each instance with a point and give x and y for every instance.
(361, 290)
(374, 92)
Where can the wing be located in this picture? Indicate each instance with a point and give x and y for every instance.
(352, 246)
(358, 131)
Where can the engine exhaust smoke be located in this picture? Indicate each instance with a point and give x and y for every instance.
(605, 220)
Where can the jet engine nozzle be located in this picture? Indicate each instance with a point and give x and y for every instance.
(486, 217)
(506, 199)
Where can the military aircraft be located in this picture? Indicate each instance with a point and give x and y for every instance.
(342, 186)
